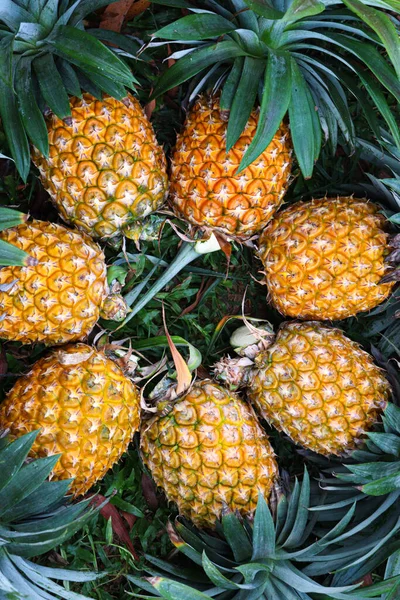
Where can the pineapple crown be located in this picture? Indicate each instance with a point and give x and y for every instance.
(263, 559)
(46, 54)
(34, 518)
(297, 57)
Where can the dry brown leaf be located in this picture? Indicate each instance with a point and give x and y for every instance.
(117, 13)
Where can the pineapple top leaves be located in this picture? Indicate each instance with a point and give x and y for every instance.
(34, 518)
(45, 54)
(312, 54)
(264, 560)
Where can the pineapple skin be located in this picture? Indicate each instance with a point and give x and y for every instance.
(205, 188)
(323, 259)
(87, 409)
(209, 451)
(318, 387)
(57, 300)
(105, 168)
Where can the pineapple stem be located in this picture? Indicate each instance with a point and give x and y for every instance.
(187, 254)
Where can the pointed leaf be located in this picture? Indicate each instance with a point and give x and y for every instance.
(31, 115)
(274, 104)
(264, 8)
(196, 61)
(302, 122)
(382, 25)
(263, 532)
(201, 26)
(51, 85)
(230, 85)
(244, 98)
(86, 52)
(13, 456)
(299, 9)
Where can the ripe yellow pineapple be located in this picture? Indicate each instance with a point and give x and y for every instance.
(209, 450)
(314, 384)
(205, 188)
(59, 296)
(105, 169)
(324, 259)
(85, 407)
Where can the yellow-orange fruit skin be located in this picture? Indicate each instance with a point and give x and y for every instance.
(323, 259)
(207, 191)
(209, 451)
(105, 168)
(57, 300)
(318, 387)
(85, 407)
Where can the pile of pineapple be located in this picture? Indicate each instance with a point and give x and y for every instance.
(251, 127)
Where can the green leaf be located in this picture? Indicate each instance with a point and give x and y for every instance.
(302, 122)
(12, 256)
(27, 480)
(264, 8)
(69, 77)
(387, 442)
(244, 98)
(13, 15)
(274, 104)
(107, 85)
(296, 535)
(263, 532)
(12, 124)
(86, 52)
(299, 9)
(51, 85)
(13, 456)
(236, 537)
(383, 27)
(391, 416)
(231, 83)
(383, 486)
(31, 115)
(196, 61)
(216, 576)
(201, 26)
(10, 218)
(172, 590)
(374, 61)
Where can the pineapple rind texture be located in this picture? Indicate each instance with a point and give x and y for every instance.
(205, 188)
(318, 387)
(58, 299)
(209, 451)
(85, 406)
(323, 259)
(105, 168)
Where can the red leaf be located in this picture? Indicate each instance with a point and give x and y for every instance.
(118, 526)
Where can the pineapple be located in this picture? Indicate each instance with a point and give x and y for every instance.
(315, 385)
(207, 452)
(105, 169)
(58, 296)
(265, 558)
(325, 259)
(274, 55)
(85, 407)
(55, 58)
(35, 517)
(205, 186)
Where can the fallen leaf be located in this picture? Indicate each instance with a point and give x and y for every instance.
(149, 492)
(117, 523)
(117, 13)
(149, 108)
